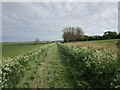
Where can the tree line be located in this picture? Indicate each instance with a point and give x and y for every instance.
(71, 34)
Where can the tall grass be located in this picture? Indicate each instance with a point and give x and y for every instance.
(16, 71)
(91, 67)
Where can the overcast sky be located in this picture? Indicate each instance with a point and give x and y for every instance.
(45, 20)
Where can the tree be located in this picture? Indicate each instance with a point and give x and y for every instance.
(110, 35)
(72, 34)
(79, 33)
(118, 36)
(37, 41)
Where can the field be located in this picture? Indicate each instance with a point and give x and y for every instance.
(106, 44)
(14, 49)
(89, 64)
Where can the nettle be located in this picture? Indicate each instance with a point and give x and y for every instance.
(13, 68)
(97, 67)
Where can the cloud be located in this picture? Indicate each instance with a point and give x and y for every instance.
(60, 0)
(0, 22)
(45, 20)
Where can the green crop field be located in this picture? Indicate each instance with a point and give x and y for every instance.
(14, 49)
(60, 65)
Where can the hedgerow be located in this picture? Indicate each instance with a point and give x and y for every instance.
(91, 67)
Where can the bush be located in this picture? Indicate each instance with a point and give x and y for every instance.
(97, 68)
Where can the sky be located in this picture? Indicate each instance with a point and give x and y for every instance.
(26, 21)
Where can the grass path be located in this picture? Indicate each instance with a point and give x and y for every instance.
(51, 72)
(54, 66)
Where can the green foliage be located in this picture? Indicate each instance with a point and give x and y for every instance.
(64, 66)
(14, 69)
(119, 35)
(116, 81)
(72, 34)
(96, 68)
(110, 35)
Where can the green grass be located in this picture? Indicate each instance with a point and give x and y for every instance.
(59, 65)
(109, 41)
(15, 49)
(43, 72)
(51, 73)
(107, 44)
(99, 41)
(85, 66)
